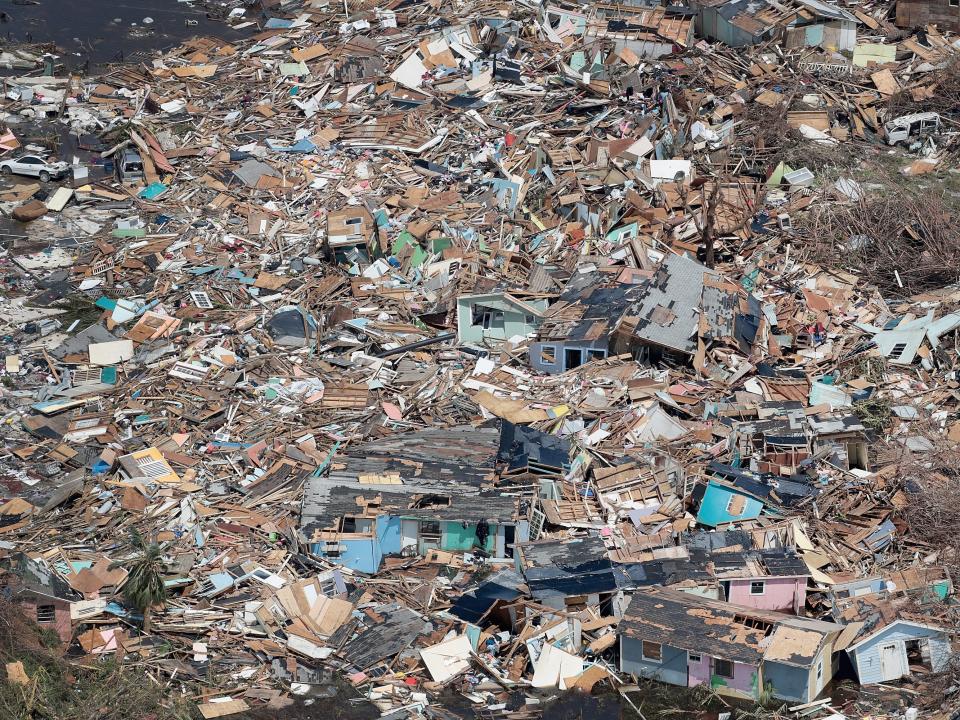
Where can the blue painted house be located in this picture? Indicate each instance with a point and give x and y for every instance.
(410, 493)
(581, 326)
(899, 649)
(721, 503)
(366, 524)
(888, 635)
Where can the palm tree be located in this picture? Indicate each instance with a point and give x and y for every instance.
(144, 587)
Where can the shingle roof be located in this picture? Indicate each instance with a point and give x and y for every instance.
(723, 630)
(668, 313)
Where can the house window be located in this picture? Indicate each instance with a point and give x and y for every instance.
(897, 351)
(430, 528)
(694, 657)
(954, 3)
(46, 613)
(820, 670)
(596, 354)
(548, 354)
(486, 317)
(652, 651)
(723, 668)
(573, 358)
(757, 587)
(528, 319)
(736, 505)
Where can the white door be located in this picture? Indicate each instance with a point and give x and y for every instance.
(408, 534)
(891, 661)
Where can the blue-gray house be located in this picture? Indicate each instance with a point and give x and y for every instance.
(580, 327)
(889, 635)
(900, 649)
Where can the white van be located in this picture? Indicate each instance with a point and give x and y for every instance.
(905, 127)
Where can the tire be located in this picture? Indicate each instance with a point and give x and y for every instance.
(7, 170)
(44, 176)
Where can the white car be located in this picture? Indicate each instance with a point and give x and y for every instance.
(34, 166)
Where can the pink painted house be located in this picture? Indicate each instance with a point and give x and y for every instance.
(43, 596)
(763, 579)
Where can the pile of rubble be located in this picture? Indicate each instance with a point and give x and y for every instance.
(491, 348)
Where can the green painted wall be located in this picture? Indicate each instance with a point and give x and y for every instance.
(457, 538)
(514, 320)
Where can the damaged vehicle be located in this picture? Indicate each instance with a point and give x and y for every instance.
(907, 128)
(34, 166)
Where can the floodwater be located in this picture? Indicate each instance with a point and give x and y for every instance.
(104, 31)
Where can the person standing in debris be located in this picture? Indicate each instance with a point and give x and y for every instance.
(483, 532)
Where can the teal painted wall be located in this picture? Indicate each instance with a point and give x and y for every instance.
(713, 507)
(457, 538)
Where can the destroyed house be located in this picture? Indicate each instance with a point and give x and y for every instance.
(773, 579)
(844, 437)
(408, 494)
(580, 326)
(681, 639)
(352, 237)
(638, 30)
(492, 318)
(777, 443)
(721, 501)
(893, 624)
(945, 14)
(42, 594)
(570, 574)
(786, 438)
(800, 23)
(647, 32)
(362, 525)
(662, 326)
(892, 637)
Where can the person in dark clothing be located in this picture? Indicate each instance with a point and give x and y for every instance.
(483, 532)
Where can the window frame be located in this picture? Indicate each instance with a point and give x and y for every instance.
(426, 528)
(716, 671)
(693, 657)
(46, 614)
(735, 497)
(651, 658)
(551, 349)
(762, 584)
(494, 320)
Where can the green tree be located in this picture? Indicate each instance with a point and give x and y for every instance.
(144, 587)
